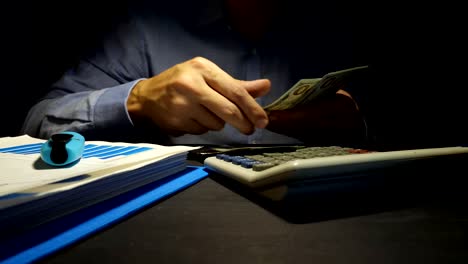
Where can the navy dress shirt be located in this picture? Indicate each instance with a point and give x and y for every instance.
(91, 97)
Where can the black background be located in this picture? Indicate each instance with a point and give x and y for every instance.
(40, 40)
(416, 49)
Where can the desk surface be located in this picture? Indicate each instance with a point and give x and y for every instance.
(211, 222)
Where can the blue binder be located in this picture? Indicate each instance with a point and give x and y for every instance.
(53, 236)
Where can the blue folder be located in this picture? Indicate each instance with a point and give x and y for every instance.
(57, 234)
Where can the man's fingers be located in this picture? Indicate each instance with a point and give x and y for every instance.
(257, 88)
(195, 128)
(227, 111)
(207, 119)
(234, 90)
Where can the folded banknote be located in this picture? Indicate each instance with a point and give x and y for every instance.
(307, 90)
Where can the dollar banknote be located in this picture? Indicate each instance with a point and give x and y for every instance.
(306, 91)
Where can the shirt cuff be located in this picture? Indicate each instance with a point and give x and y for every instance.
(111, 107)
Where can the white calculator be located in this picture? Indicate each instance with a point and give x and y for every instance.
(270, 171)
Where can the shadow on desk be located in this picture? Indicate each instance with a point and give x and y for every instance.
(375, 192)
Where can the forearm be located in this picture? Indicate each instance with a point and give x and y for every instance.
(97, 113)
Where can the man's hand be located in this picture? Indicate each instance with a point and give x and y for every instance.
(197, 96)
(332, 120)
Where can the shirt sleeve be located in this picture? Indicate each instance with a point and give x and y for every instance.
(94, 113)
(91, 97)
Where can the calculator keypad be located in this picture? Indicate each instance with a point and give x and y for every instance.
(263, 161)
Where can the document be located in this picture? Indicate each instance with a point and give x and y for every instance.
(30, 188)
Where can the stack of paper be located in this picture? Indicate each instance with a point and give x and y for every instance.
(32, 192)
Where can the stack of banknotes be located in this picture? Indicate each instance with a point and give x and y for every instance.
(307, 90)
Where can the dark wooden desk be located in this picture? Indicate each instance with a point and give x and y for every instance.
(213, 223)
